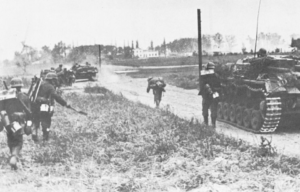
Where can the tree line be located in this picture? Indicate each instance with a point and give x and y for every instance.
(61, 52)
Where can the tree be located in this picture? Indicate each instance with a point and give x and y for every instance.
(230, 41)
(22, 61)
(46, 49)
(206, 42)
(59, 51)
(218, 38)
(151, 45)
(24, 58)
(295, 43)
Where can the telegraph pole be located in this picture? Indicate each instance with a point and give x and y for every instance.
(199, 45)
(99, 55)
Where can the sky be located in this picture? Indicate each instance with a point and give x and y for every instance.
(119, 22)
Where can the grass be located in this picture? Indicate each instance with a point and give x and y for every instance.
(126, 146)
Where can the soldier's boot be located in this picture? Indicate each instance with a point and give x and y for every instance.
(34, 133)
(46, 134)
(13, 160)
(35, 138)
(213, 121)
(205, 120)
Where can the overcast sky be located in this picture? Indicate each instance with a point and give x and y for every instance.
(118, 22)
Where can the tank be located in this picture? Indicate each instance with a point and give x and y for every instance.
(86, 72)
(260, 94)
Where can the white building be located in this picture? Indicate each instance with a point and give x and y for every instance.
(145, 53)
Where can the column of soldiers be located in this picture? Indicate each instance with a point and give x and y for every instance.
(22, 116)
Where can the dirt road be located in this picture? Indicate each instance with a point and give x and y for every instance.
(187, 104)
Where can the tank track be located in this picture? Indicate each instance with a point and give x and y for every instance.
(271, 117)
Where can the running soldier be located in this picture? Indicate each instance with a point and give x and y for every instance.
(16, 118)
(158, 85)
(210, 91)
(43, 108)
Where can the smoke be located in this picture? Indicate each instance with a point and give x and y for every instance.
(107, 74)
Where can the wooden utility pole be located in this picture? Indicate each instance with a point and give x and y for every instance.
(100, 55)
(199, 46)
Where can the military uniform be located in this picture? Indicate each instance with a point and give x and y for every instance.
(157, 85)
(17, 120)
(59, 69)
(210, 95)
(43, 108)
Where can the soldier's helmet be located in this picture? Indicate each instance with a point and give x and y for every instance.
(60, 65)
(210, 65)
(16, 82)
(51, 76)
(149, 79)
(262, 52)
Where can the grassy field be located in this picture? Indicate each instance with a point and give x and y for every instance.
(126, 146)
(172, 61)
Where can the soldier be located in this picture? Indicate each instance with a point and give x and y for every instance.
(210, 93)
(157, 85)
(17, 120)
(262, 52)
(59, 68)
(43, 108)
(75, 66)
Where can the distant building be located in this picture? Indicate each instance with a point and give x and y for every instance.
(144, 53)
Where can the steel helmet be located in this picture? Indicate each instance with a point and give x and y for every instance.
(262, 52)
(210, 65)
(16, 82)
(50, 76)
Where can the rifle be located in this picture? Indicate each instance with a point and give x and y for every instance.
(39, 82)
(80, 112)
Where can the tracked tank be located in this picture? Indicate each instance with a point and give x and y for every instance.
(261, 94)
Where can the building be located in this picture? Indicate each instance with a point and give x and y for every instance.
(145, 53)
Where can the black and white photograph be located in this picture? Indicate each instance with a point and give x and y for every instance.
(149, 96)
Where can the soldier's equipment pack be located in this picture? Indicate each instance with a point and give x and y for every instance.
(156, 82)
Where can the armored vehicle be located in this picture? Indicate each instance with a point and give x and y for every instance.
(65, 77)
(86, 72)
(261, 93)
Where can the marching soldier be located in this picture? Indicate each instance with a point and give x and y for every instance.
(59, 68)
(210, 93)
(157, 85)
(16, 118)
(43, 108)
